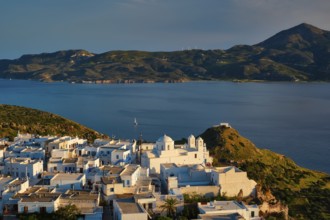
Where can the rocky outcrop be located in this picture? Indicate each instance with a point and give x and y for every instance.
(270, 205)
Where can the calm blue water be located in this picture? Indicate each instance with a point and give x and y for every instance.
(288, 118)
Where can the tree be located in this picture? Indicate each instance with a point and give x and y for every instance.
(69, 212)
(170, 206)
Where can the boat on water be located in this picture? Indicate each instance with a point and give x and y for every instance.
(135, 122)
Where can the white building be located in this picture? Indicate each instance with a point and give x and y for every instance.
(121, 157)
(85, 164)
(86, 202)
(13, 187)
(226, 209)
(61, 153)
(232, 180)
(95, 175)
(44, 200)
(127, 209)
(68, 181)
(131, 179)
(2, 150)
(65, 142)
(62, 164)
(33, 153)
(23, 167)
(130, 174)
(41, 203)
(164, 151)
(210, 181)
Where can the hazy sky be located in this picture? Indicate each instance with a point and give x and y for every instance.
(36, 26)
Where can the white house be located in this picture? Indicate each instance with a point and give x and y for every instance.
(164, 151)
(33, 153)
(23, 167)
(86, 202)
(13, 187)
(208, 181)
(2, 150)
(121, 157)
(65, 142)
(130, 174)
(68, 181)
(37, 199)
(228, 208)
(132, 179)
(232, 180)
(127, 209)
(85, 164)
(62, 164)
(61, 153)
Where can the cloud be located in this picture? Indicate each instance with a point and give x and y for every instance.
(41, 26)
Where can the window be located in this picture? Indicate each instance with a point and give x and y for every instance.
(168, 147)
(112, 189)
(252, 214)
(195, 155)
(117, 157)
(127, 182)
(26, 209)
(42, 209)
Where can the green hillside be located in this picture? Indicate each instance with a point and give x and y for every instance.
(306, 192)
(300, 53)
(27, 120)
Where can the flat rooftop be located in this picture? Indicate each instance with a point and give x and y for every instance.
(70, 160)
(128, 206)
(5, 180)
(40, 197)
(80, 195)
(226, 169)
(67, 176)
(16, 182)
(130, 169)
(110, 179)
(214, 206)
(169, 165)
(113, 170)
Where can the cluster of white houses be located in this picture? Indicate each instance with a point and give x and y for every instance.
(41, 174)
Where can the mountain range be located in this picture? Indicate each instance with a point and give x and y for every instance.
(301, 53)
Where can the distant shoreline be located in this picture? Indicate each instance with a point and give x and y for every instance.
(164, 81)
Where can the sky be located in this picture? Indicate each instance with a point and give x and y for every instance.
(38, 26)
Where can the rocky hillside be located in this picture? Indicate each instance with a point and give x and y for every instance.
(27, 120)
(298, 54)
(306, 192)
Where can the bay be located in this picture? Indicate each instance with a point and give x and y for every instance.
(288, 118)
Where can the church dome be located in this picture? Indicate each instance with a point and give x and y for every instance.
(164, 139)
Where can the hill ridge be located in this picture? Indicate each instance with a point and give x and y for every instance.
(300, 53)
(306, 192)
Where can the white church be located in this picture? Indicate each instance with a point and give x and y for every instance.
(164, 151)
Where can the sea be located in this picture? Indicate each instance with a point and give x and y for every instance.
(288, 118)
